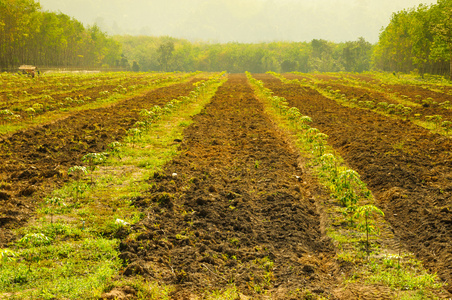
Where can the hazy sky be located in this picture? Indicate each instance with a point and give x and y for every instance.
(238, 20)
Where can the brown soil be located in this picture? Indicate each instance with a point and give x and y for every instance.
(60, 84)
(408, 169)
(362, 94)
(299, 77)
(413, 90)
(35, 161)
(324, 77)
(229, 209)
(366, 78)
(86, 94)
(359, 94)
(410, 91)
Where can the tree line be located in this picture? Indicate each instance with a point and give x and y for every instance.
(29, 35)
(417, 39)
(171, 54)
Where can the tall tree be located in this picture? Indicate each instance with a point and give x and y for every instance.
(356, 55)
(165, 52)
(442, 44)
(30, 36)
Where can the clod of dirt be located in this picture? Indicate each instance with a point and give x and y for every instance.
(27, 191)
(308, 269)
(127, 257)
(164, 199)
(158, 175)
(4, 195)
(136, 268)
(120, 293)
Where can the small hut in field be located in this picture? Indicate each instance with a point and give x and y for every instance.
(28, 69)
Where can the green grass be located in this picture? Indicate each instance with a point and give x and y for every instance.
(74, 269)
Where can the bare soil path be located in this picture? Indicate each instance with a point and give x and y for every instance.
(229, 210)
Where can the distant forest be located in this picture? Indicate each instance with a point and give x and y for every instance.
(416, 39)
(31, 36)
(168, 54)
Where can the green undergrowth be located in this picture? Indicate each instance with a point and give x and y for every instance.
(9, 123)
(356, 226)
(70, 249)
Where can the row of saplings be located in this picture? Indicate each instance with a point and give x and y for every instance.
(80, 186)
(400, 109)
(385, 107)
(344, 183)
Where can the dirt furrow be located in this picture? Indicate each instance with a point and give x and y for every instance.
(408, 169)
(34, 161)
(229, 210)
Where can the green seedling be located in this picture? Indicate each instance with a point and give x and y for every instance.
(293, 114)
(303, 122)
(391, 108)
(319, 141)
(447, 125)
(134, 134)
(428, 102)
(34, 240)
(7, 256)
(157, 110)
(141, 124)
(38, 107)
(311, 133)
(31, 112)
(93, 159)
(407, 111)
(47, 98)
(77, 171)
(445, 104)
(256, 164)
(54, 202)
(115, 148)
(31, 241)
(369, 104)
(329, 163)
(235, 242)
(436, 119)
(366, 212)
(346, 181)
(79, 187)
(6, 115)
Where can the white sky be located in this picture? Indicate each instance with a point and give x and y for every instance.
(238, 20)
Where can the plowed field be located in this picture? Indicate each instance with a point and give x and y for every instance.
(35, 161)
(236, 207)
(408, 169)
(235, 212)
